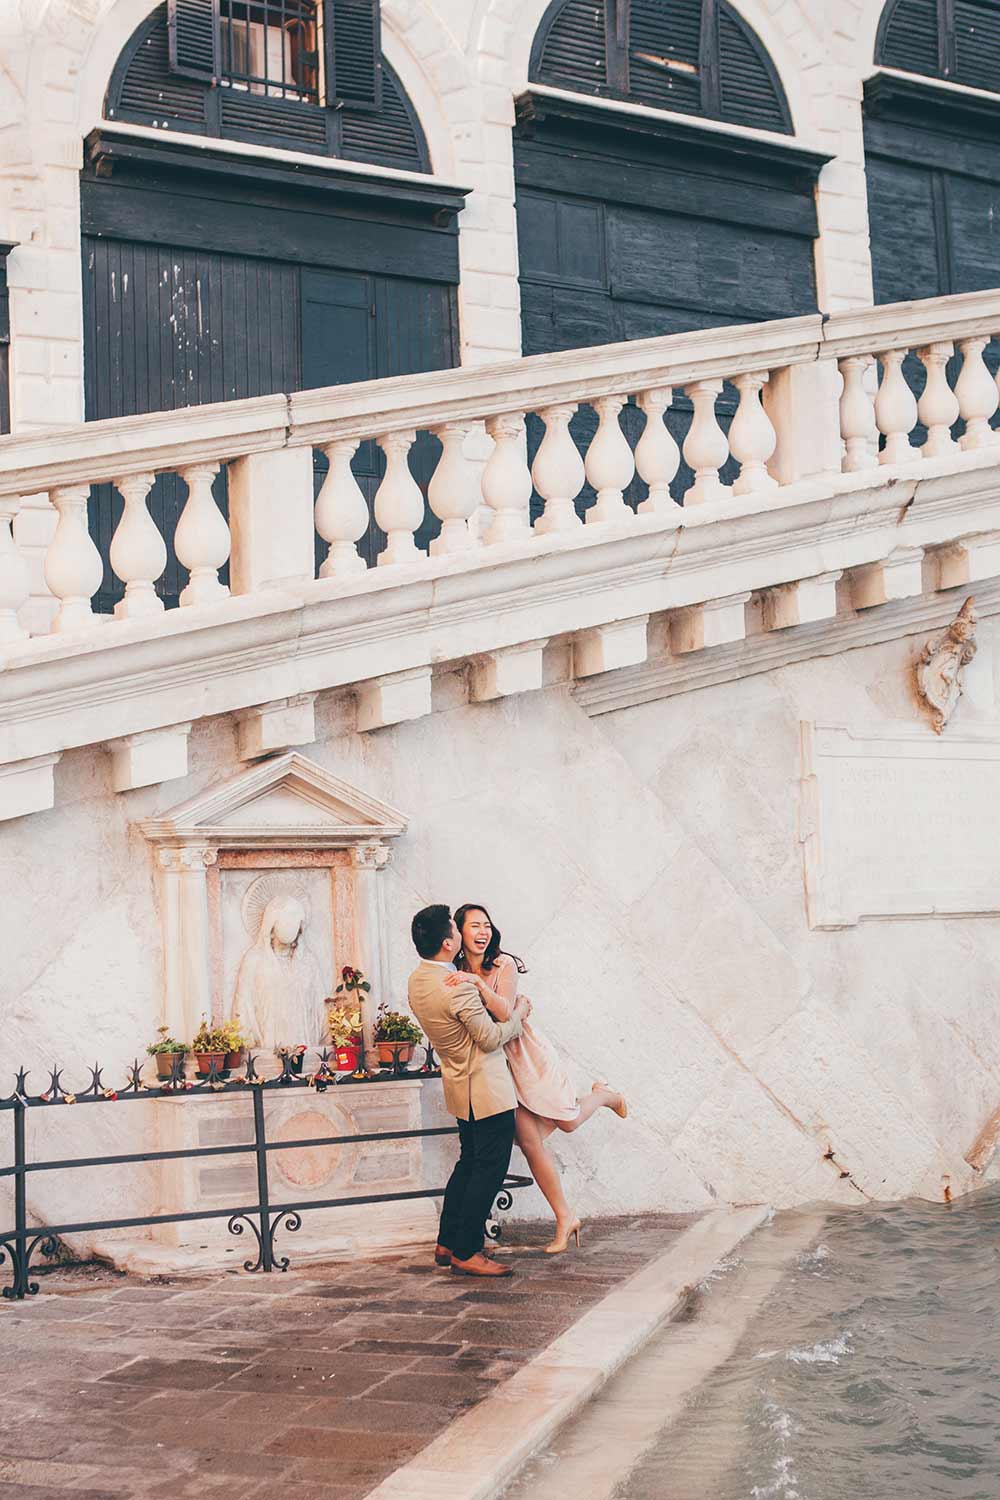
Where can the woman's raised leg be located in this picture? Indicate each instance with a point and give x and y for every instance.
(600, 1097)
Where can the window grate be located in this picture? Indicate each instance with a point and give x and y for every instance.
(272, 48)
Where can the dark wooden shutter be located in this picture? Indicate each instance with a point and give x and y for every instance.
(747, 91)
(573, 52)
(353, 54)
(908, 37)
(977, 44)
(674, 37)
(193, 32)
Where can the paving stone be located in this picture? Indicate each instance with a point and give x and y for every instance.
(395, 1349)
(317, 1380)
(513, 1333)
(370, 1415)
(449, 1390)
(347, 1443)
(178, 1374)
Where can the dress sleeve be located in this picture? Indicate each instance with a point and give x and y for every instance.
(506, 983)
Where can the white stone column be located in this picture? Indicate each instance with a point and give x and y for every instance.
(201, 539)
(138, 552)
(368, 860)
(186, 954)
(73, 566)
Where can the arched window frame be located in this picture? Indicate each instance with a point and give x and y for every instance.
(948, 60)
(336, 113)
(617, 17)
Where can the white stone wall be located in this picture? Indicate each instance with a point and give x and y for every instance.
(646, 864)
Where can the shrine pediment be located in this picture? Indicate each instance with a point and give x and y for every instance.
(289, 800)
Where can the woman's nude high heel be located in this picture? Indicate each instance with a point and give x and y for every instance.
(621, 1108)
(561, 1241)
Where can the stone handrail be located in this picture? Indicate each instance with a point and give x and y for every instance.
(794, 420)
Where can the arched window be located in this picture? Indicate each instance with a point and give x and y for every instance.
(212, 273)
(954, 39)
(305, 75)
(931, 158)
(698, 57)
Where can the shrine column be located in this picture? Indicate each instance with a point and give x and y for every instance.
(186, 953)
(367, 860)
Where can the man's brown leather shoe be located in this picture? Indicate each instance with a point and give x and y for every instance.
(478, 1265)
(442, 1257)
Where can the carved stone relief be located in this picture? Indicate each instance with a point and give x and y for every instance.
(941, 664)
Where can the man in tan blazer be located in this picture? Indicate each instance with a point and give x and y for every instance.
(478, 1089)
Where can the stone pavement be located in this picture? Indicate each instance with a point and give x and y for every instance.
(313, 1385)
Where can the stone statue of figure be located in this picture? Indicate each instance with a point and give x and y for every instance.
(279, 988)
(940, 665)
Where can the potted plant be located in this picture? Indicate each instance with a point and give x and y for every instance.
(295, 1055)
(236, 1042)
(210, 1045)
(164, 1050)
(396, 1035)
(345, 1018)
(345, 1036)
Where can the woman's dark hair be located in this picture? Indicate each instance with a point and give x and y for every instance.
(493, 950)
(430, 930)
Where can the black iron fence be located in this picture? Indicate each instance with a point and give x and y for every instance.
(262, 1217)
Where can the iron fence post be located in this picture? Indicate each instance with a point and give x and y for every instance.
(19, 1289)
(263, 1197)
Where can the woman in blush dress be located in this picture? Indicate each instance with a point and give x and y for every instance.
(547, 1100)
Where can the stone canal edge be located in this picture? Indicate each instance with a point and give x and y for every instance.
(481, 1451)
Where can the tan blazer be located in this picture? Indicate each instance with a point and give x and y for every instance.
(468, 1042)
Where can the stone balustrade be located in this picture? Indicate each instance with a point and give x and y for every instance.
(714, 487)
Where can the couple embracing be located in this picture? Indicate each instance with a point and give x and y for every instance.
(503, 1080)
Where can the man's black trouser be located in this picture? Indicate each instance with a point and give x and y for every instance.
(478, 1177)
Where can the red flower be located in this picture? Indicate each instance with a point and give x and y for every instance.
(347, 972)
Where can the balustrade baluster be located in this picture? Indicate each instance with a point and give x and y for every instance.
(138, 553)
(657, 456)
(752, 438)
(399, 504)
(14, 585)
(73, 566)
(201, 540)
(706, 448)
(609, 464)
(977, 394)
(938, 406)
(558, 472)
(341, 514)
(453, 494)
(895, 409)
(857, 414)
(506, 481)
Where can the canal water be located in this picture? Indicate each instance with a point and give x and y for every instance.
(853, 1355)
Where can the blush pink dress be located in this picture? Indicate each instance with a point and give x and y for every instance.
(540, 1081)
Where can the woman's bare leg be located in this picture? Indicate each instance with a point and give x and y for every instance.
(600, 1097)
(531, 1133)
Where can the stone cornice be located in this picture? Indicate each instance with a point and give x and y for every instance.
(665, 677)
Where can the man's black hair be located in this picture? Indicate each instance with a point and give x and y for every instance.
(430, 930)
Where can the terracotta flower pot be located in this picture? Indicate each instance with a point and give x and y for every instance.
(236, 1059)
(204, 1061)
(165, 1064)
(389, 1051)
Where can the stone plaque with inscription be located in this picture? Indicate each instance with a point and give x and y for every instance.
(896, 822)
